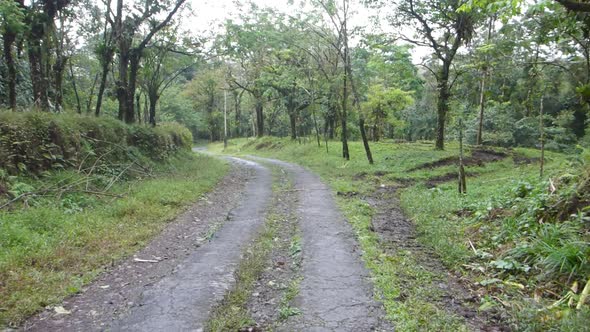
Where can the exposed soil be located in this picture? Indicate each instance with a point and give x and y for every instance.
(435, 181)
(268, 145)
(121, 288)
(478, 158)
(347, 193)
(523, 160)
(364, 175)
(397, 233)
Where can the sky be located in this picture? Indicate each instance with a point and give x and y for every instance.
(210, 14)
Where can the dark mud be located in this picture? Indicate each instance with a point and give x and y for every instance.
(477, 158)
(397, 233)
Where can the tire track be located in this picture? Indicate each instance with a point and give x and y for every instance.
(335, 294)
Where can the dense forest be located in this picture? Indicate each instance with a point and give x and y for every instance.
(386, 105)
(506, 72)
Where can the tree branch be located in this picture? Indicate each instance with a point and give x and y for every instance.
(575, 6)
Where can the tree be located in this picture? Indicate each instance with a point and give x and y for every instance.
(444, 29)
(485, 76)
(11, 26)
(164, 62)
(205, 91)
(383, 106)
(130, 53)
(340, 16)
(41, 39)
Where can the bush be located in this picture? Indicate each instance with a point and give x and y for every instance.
(37, 142)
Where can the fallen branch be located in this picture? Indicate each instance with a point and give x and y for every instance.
(472, 246)
(102, 193)
(139, 260)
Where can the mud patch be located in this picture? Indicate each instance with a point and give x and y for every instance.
(268, 145)
(435, 181)
(397, 233)
(478, 158)
(347, 193)
(376, 175)
(524, 160)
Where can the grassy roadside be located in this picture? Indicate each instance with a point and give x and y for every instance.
(52, 248)
(440, 225)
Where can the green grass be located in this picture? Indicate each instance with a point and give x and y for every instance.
(51, 249)
(404, 286)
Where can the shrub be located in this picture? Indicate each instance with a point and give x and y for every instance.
(37, 142)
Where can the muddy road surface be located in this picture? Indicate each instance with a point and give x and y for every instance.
(175, 282)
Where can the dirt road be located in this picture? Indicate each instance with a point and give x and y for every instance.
(176, 281)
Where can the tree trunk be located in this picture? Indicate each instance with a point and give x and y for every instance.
(348, 73)
(58, 74)
(484, 77)
(315, 120)
(293, 121)
(132, 84)
(9, 39)
(122, 83)
(40, 98)
(153, 103)
(238, 111)
(345, 153)
(375, 133)
(91, 95)
(138, 107)
(146, 111)
(542, 130)
(443, 105)
(259, 117)
(479, 140)
(332, 126)
(103, 81)
(78, 102)
(365, 140)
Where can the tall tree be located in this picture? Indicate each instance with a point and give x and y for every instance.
(130, 51)
(444, 29)
(11, 26)
(164, 62)
(248, 45)
(340, 17)
(40, 41)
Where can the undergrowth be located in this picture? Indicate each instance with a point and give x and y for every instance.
(521, 240)
(524, 241)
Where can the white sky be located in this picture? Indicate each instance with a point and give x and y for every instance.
(210, 14)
